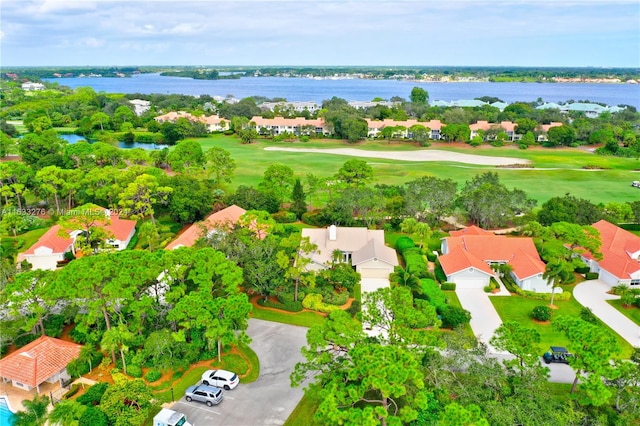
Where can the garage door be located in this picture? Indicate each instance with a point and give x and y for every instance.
(368, 285)
(374, 272)
(470, 282)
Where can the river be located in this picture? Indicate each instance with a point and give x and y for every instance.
(308, 89)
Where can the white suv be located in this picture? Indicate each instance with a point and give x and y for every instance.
(220, 379)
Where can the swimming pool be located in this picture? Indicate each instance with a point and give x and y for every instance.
(6, 416)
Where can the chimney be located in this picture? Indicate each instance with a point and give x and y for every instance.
(333, 233)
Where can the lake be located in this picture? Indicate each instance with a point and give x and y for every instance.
(308, 89)
(71, 138)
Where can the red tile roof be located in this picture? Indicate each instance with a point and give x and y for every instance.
(52, 240)
(459, 259)
(519, 252)
(617, 248)
(120, 228)
(470, 230)
(39, 360)
(223, 218)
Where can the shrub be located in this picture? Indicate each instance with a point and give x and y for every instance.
(72, 391)
(440, 275)
(92, 416)
(487, 289)
(404, 243)
(332, 297)
(431, 256)
(448, 286)
(93, 395)
(152, 375)
(284, 217)
(315, 218)
(134, 371)
(587, 315)
(354, 309)
(582, 269)
(314, 302)
(454, 316)
(541, 313)
(591, 276)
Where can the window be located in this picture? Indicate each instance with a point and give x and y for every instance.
(346, 257)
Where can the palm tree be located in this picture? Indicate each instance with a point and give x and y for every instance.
(402, 277)
(117, 338)
(553, 273)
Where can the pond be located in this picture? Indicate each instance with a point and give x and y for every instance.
(71, 138)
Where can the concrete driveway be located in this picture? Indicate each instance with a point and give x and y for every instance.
(270, 399)
(484, 317)
(593, 294)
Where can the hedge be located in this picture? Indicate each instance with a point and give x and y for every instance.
(415, 262)
(431, 256)
(431, 290)
(440, 275)
(454, 316)
(513, 288)
(404, 243)
(72, 391)
(448, 286)
(314, 302)
(287, 305)
(591, 276)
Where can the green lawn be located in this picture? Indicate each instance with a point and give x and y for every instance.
(180, 387)
(23, 241)
(302, 415)
(612, 184)
(518, 308)
(632, 313)
(303, 319)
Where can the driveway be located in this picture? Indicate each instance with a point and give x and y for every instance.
(270, 399)
(593, 295)
(484, 317)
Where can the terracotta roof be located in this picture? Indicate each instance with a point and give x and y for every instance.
(617, 248)
(120, 228)
(379, 124)
(470, 230)
(39, 360)
(52, 240)
(223, 218)
(519, 252)
(459, 259)
(281, 121)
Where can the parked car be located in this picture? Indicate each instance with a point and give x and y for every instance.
(557, 354)
(202, 393)
(220, 379)
(635, 184)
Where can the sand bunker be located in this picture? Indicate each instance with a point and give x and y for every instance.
(422, 155)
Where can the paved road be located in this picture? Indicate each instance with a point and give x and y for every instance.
(270, 399)
(593, 294)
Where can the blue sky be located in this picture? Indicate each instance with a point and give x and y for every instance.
(304, 32)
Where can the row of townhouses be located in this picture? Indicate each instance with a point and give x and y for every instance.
(303, 126)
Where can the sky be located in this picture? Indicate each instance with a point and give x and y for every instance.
(541, 33)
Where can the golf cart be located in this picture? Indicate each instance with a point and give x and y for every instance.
(557, 354)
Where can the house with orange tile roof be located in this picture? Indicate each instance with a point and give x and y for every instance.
(52, 246)
(468, 255)
(213, 122)
(508, 127)
(222, 220)
(375, 126)
(43, 360)
(297, 126)
(620, 250)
